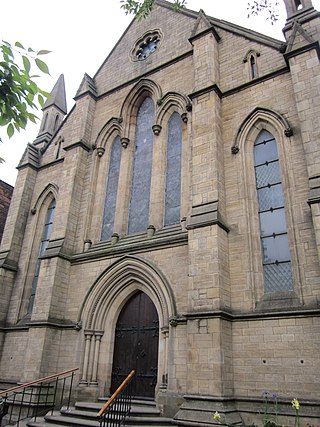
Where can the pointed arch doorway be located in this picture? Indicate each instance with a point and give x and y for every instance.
(136, 345)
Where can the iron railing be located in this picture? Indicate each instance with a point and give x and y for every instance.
(36, 398)
(118, 407)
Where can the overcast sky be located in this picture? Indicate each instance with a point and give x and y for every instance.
(80, 35)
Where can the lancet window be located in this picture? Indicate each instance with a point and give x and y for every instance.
(273, 227)
(142, 169)
(173, 171)
(47, 229)
(112, 190)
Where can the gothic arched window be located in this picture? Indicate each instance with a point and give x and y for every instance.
(142, 169)
(112, 190)
(253, 67)
(173, 171)
(273, 227)
(46, 234)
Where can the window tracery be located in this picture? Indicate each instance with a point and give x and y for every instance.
(146, 45)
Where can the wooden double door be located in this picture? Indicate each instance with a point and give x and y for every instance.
(136, 345)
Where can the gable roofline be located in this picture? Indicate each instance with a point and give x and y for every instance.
(115, 46)
(228, 26)
(219, 23)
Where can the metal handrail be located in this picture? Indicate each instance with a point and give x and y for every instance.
(36, 397)
(118, 406)
(41, 380)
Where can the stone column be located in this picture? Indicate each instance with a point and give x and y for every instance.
(87, 345)
(97, 342)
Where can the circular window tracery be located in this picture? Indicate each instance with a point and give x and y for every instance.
(146, 45)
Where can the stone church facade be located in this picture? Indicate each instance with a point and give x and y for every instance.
(169, 222)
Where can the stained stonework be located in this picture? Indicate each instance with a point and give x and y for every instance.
(223, 336)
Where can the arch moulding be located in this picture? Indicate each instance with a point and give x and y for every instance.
(102, 306)
(265, 115)
(141, 90)
(117, 281)
(50, 188)
(113, 126)
(173, 101)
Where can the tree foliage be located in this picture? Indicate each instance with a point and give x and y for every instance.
(19, 93)
(142, 8)
(270, 7)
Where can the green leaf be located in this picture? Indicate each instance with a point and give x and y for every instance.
(7, 50)
(44, 93)
(40, 100)
(17, 126)
(10, 130)
(26, 63)
(18, 44)
(32, 117)
(43, 52)
(42, 66)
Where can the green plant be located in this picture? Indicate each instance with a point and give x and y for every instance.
(296, 405)
(267, 399)
(18, 91)
(268, 421)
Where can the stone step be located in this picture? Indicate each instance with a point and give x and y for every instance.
(70, 421)
(84, 414)
(148, 421)
(135, 401)
(137, 407)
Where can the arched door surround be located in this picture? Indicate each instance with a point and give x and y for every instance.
(102, 306)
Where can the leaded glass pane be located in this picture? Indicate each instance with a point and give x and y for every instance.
(270, 197)
(268, 174)
(173, 171)
(47, 229)
(112, 190)
(273, 222)
(264, 136)
(265, 152)
(275, 248)
(142, 169)
(273, 227)
(278, 277)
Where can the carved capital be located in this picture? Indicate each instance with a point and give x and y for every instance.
(125, 142)
(173, 322)
(100, 151)
(288, 132)
(156, 129)
(184, 117)
(114, 238)
(87, 245)
(151, 230)
(235, 149)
